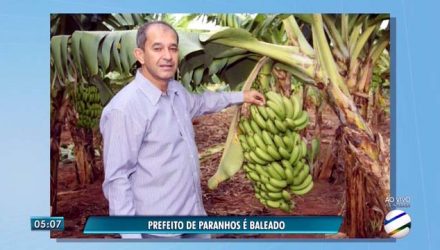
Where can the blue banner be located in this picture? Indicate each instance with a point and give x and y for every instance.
(217, 224)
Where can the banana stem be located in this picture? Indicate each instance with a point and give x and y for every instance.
(325, 56)
(294, 33)
(338, 92)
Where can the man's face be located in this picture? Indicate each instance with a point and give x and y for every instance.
(159, 57)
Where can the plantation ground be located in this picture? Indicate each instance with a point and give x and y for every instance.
(233, 197)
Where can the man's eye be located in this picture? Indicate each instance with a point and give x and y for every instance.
(173, 49)
(156, 49)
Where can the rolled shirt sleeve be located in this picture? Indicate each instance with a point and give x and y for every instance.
(210, 102)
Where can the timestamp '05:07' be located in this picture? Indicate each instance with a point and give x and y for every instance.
(49, 223)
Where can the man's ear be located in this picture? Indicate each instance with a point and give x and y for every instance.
(139, 55)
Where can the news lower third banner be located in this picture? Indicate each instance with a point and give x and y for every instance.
(213, 225)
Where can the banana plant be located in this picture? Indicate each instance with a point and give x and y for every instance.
(321, 70)
(360, 151)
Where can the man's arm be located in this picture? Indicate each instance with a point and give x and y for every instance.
(210, 102)
(122, 138)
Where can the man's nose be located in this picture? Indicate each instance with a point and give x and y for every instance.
(167, 54)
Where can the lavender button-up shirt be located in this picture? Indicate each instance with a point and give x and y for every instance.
(150, 156)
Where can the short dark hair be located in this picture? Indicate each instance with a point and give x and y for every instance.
(141, 37)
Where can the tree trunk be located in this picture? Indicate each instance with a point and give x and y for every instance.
(59, 103)
(367, 184)
(367, 181)
(98, 168)
(84, 150)
(90, 155)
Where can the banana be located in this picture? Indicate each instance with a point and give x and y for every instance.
(241, 127)
(275, 196)
(303, 191)
(314, 150)
(246, 168)
(243, 142)
(280, 125)
(264, 195)
(267, 139)
(255, 127)
(275, 97)
(271, 188)
(247, 127)
(285, 207)
(263, 201)
(256, 159)
(288, 106)
(295, 137)
(286, 195)
(284, 153)
(263, 155)
(271, 127)
(298, 167)
(247, 156)
(261, 171)
(288, 142)
(257, 195)
(295, 155)
(288, 170)
(251, 142)
(279, 169)
(273, 152)
(289, 175)
(290, 123)
(259, 141)
(277, 108)
(273, 204)
(277, 183)
(286, 164)
(296, 106)
(251, 166)
(263, 187)
(247, 176)
(254, 176)
(301, 176)
(305, 183)
(263, 112)
(279, 141)
(301, 120)
(271, 114)
(264, 179)
(257, 118)
(303, 125)
(273, 173)
(303, 148)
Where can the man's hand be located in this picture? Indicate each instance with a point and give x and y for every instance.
(254, 97)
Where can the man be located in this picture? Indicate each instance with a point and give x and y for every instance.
(150, 156)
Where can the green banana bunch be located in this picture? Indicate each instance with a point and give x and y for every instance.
(88, 105)
(274, 152)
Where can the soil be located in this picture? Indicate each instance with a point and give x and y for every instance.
(233, 197)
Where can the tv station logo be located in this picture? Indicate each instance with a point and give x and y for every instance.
(397, 224)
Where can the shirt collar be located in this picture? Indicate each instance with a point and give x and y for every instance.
(151, 91)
